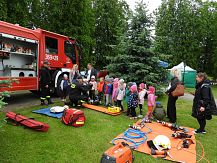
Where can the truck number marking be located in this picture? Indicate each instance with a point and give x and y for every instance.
(51, 57)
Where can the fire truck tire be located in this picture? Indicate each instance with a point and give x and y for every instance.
(58, 90)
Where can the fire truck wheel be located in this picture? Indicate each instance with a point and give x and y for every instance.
(58, 90)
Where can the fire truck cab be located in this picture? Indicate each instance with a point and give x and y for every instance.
(23, 50)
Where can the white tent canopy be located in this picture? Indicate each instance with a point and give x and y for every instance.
(181, 67)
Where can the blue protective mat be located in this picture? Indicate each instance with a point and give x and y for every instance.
(47, 112)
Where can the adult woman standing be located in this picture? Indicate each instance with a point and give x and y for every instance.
(203, 103)
(74, 73)
(171, 104)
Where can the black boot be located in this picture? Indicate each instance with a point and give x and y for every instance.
(49, 101)
(42, 102)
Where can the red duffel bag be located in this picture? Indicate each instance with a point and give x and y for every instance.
(73, 117)
(27, 122)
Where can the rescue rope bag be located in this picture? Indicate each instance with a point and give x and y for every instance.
(73, 117)
(18, 119)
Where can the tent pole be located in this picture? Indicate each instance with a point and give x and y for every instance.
(183, 78)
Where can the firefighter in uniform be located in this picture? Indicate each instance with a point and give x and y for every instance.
(45, 80)
(78, 91)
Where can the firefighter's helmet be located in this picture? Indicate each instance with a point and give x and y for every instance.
(162, 142)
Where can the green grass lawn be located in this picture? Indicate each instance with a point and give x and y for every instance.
(86, 144)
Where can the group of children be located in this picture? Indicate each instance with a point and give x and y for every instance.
(136, 97)
(115, 91)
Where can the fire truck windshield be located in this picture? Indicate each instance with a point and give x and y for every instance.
(69, 50)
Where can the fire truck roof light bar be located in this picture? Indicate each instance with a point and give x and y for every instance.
(18, 38)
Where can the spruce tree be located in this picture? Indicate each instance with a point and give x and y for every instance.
(110, 17)
(135, 61)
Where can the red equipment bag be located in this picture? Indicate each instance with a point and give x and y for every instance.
(73, 117)
(27, 122)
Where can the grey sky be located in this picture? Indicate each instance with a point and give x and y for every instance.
(152, 4)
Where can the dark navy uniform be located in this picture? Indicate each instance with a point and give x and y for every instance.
(78, 91)
(45, 81)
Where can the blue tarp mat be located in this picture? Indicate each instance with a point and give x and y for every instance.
(47, 112)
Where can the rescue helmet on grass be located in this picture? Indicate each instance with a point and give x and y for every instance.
(162, 142)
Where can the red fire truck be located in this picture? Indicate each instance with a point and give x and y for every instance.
(23, 50)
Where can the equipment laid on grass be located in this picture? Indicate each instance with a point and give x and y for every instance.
(159, 146)
(162, 154)
(145, 120)
(100, 109)
(47, 112)
(187, 155)
(58, 109)
(120, 153)
(181, 135)
(135, 127)
(73, 117)
(130, 135)
(173, 126)
(186, 143)
(114, 109)
(162, 142)
(18, 119)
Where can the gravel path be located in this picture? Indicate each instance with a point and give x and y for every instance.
(28, 99)
(190, 97)
(187, 96)
(23, 99)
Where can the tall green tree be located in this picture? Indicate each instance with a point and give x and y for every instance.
(185, 31)
(71, 18)
(111, 18)
(135, 61)
(18, 12)
(175, 34)
(36, 13)
(206, 34)
(3, 10)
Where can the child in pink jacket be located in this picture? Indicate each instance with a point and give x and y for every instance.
(151, 101)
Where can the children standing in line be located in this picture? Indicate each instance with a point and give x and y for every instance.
(133, 101)
(64, 85)
(151, 101)
(142, 93)
(92, 92)
(107, 89)
(120, 94)
(100, 89)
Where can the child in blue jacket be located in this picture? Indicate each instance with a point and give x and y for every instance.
(107, 89)
(133, 101)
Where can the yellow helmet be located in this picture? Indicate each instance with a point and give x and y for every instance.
(162, 142)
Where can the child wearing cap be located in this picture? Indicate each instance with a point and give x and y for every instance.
(151, 101)
(133, 101)
(64, 85)
(120, 94)
(142, 93)
(92, 92)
